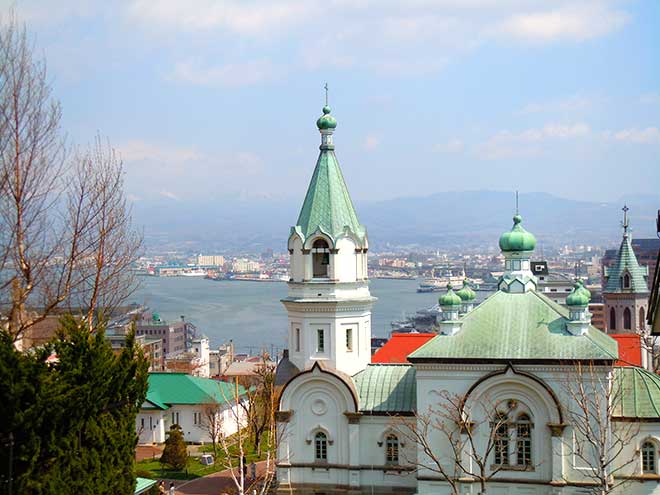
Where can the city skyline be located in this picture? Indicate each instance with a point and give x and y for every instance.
(219, 99)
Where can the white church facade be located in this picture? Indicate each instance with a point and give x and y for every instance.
(517, 395)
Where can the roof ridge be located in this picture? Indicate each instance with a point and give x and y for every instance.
(644, 371)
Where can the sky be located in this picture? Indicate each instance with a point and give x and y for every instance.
(219, 98)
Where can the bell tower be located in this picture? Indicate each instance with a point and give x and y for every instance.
(328, 302)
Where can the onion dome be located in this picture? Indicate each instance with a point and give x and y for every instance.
(517, 239)
(584, 290)
(466, 293)
(326, 121)
(450, 299)
(580, 296)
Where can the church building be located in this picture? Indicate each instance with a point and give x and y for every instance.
(517, 395)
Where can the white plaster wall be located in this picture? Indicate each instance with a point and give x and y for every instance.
(149, 426)
(318, 402)
(345, 261)
(334, 325)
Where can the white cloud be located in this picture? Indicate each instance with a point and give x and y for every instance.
(529, 142)
(138, 150)
(169, 195)
(253, 18)
(454, 145)
(229, 75)
(568, 104)
(572, 22)
(650, 135)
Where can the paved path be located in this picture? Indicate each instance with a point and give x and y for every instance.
(214, 484)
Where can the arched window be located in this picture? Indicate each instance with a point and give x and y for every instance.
(320, 447)
(320, 258)
(648, 458)
(612, 319)
(392, 449)
(626, 281)
(627, 324)
(524, 440)
(501, 426)
(642, 320)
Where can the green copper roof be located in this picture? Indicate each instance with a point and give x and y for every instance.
(638, 393)
(466, 293)
(143, 484)
(450, 299)
(518, 326)
(326, 121)
(386, 388)
(166, 389)
(517, 239)
(579, 296)
(626, 261)
(328, 206)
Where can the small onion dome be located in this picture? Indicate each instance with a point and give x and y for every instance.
(517, 239)
(326, 121)
(450, 299)
(466, 293)
(579, 297)
(584, 290)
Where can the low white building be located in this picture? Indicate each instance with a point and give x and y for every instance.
(192, 402)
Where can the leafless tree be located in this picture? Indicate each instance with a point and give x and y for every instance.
(66, 236)
(260, 405)
(594, 396)
(473, 437)
(212, 423)
(235, 447)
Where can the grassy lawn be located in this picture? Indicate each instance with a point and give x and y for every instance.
(195, 468)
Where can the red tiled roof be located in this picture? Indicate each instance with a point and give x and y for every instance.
(630, 349)
(396, 349)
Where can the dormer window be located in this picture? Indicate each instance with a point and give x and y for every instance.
(320, 258)
(626, 281)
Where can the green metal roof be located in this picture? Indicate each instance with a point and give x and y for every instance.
(518, 326)
(143, 484)
(517, 239)
(328, 206)
(626, 261)
(166, 389)
(637, 392)
(386, 388)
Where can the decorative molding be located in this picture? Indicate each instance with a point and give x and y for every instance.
(353, 417)
(557, 429)
(283, 416)
(305, 251)
(334, 251)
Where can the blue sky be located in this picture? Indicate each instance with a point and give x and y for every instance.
(219, 98)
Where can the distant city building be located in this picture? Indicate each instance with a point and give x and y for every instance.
(245, 266)
(175, 336)
(220, 359)
(210, 260)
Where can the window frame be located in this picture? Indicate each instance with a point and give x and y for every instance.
(320, 341)
(392, 445)
(320, 447)
(349, 339)
(643, 457)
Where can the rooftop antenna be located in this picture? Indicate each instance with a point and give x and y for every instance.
(326, 94)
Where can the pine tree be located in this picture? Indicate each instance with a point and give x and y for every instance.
(73, 422)
(175, 453)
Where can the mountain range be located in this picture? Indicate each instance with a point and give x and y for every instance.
(443, 220)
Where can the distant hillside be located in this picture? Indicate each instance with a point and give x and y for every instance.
(473, 218)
